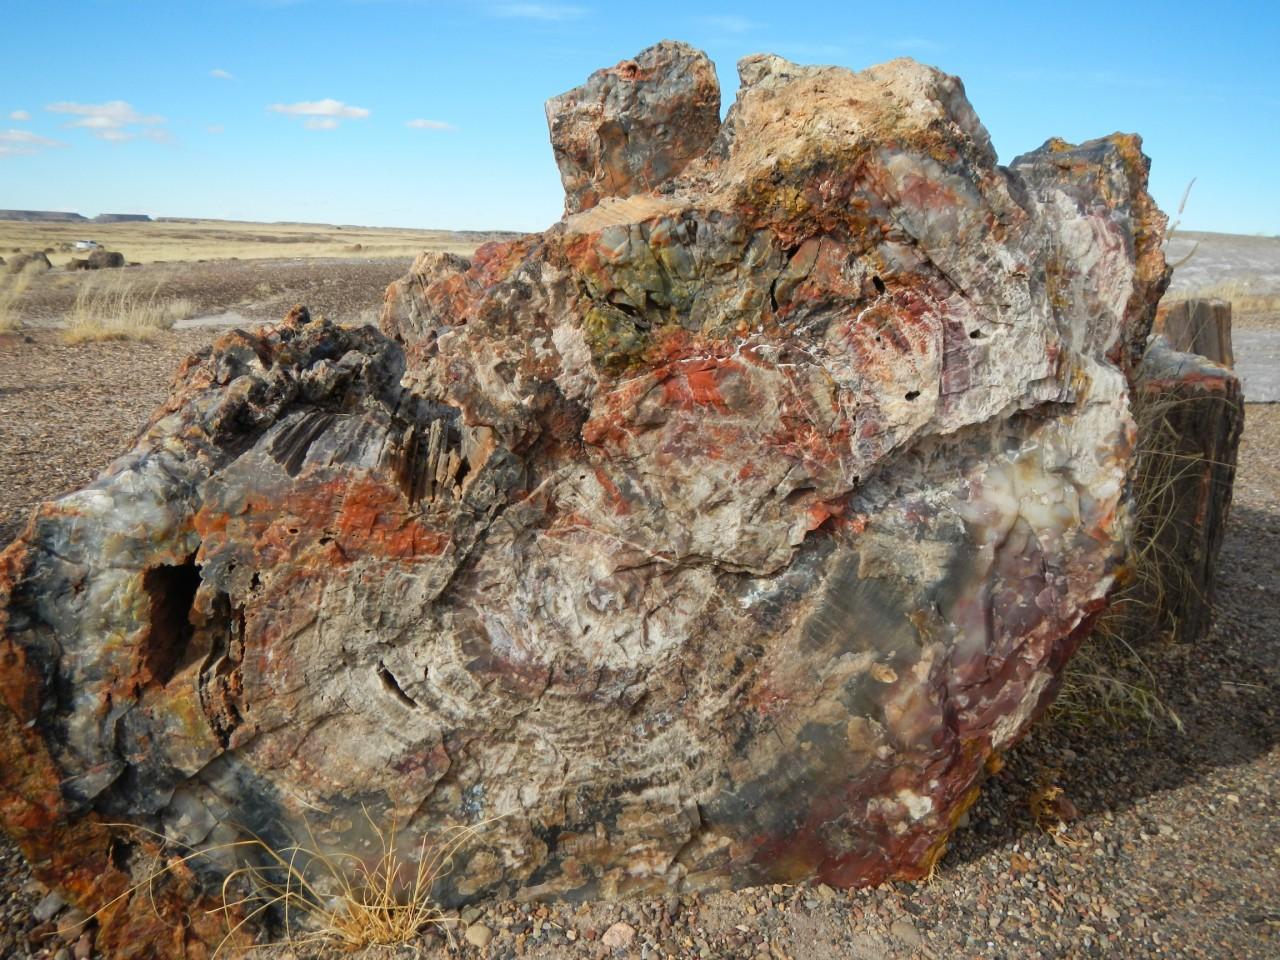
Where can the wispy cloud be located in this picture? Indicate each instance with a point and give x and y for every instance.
(219, 74)
(19, 115)
(21, 143)
(539, 11)
(429, 125)
(111, 121)
(729, 23)
(321, 114)
(216, 128)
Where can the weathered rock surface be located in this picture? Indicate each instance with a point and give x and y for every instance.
(633, 127)
(722, 533)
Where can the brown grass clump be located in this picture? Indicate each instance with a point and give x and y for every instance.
(118, 309)
(340, 900)
(12, 288)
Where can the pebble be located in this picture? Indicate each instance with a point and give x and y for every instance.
(906, 932)
(47, 907)
(71, 924)
(478, 935)
(619, 936)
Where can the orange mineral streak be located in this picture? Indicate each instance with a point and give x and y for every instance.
(616, 499)
(364, 517)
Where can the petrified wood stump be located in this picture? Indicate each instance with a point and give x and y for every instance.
(1191, 415)
(719, 534)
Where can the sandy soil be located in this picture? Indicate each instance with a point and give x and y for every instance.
(1174, 852)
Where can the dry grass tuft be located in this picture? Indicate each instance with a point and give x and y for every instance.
(338, 900)
(115, 308)
(12, 288)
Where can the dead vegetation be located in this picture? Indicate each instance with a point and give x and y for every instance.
(13, 286)
(114, 307)
(324, 899)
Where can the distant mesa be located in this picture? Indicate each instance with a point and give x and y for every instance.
(56, 216)
(43, 216)
(122, 218)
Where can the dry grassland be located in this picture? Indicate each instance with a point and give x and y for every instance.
(196, 240)
(250, 272)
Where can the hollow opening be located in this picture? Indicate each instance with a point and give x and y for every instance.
(911, 394)
(172, 591)
(878, 284)
(392, 686)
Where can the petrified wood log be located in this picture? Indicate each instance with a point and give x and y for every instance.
(720, 534)
(1190, 416)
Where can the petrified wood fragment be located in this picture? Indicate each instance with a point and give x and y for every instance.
(720, 534)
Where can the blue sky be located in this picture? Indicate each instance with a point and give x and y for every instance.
(306, 109)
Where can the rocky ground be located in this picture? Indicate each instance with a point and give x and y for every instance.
(1171, 852)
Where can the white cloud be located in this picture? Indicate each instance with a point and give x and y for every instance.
(219, 74)
(538, 11)
(19, 115)
(216, 128)
(429, 125)
(729, 23)
(110, 120)
(322, 114)
(21, 143)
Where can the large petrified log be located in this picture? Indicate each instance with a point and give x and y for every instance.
(720, 534)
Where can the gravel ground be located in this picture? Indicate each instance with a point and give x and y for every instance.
(1173, 851)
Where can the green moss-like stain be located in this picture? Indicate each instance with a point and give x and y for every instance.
(615, 339)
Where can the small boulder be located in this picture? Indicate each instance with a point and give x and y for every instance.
(98, 260)
(31, 262)
(105, 259)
